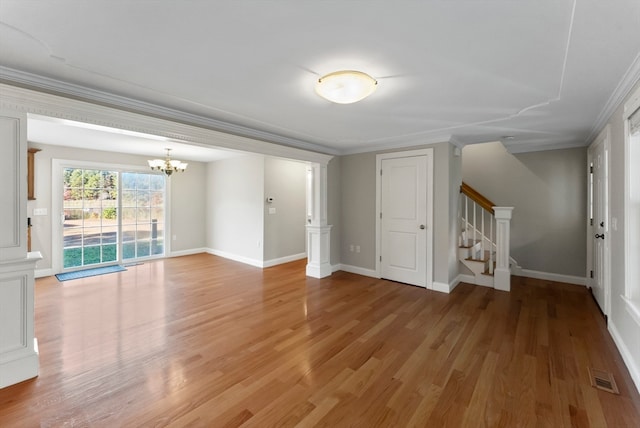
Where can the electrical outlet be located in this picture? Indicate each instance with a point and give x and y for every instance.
(351, 248)
(175, 237)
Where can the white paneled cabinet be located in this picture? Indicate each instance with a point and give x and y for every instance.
(18, 346)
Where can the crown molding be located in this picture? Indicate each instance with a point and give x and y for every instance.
(626, 84)
(401, 146)
(537, 147)
(62, 107)
(56, 87)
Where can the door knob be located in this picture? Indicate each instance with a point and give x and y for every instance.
(422, 226)
(599, 236)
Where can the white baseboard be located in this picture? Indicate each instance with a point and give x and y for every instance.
(335, 268)
(442, 287)
(188, 252)
(463, 277)
(235, 257)
(287, 259)
(627, 356)
(41, 273)
(359, 270)
(578, 280)
(254, 262)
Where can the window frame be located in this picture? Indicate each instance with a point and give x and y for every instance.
(631, 295)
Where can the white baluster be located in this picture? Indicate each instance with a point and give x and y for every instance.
(491, 244)
(475, 228)
(482, 237)
(466, 220)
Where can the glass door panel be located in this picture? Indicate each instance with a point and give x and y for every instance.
(143, 211)
(90, 214)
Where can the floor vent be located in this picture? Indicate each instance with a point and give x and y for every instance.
(603, 380)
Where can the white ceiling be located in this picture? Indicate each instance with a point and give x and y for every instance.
(545, 72)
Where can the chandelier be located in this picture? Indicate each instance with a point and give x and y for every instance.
(167, 165)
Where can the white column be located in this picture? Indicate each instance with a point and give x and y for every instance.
(502, 273)
(18, 346)
(318, 232)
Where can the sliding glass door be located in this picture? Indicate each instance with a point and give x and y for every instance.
(111, 216)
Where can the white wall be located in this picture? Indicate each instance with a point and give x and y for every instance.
(624, 329)
(235, 221)
(187, 217)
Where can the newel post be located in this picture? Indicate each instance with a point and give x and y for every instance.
(318, 232)
(502, 272)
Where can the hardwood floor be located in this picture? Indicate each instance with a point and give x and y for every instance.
(204, 341)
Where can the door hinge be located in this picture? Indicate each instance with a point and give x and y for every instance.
(380, 172)
(591, 274)
(380, 215)
(591, 222)
(591, 169)
(380, 258)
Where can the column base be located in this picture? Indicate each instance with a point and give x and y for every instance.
(318, 246)
(502, 279)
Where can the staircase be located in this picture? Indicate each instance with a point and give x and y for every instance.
(483, 245)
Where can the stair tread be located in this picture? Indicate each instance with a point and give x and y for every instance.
(472, 259)
(486, 258)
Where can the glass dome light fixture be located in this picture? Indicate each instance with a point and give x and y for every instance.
(167, 165)
(346, 86)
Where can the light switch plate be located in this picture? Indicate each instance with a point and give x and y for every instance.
(39, 211)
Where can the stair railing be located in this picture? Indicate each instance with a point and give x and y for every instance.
(501, 216)
(478, 203)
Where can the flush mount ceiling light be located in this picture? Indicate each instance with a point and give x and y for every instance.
(167, 165)
(346, 86)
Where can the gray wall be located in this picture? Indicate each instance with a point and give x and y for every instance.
(358, 220)
(334, 205)
(187, 208)
(549, 192)
(284, 231)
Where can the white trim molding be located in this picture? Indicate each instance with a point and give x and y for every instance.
(235, 257)
(627, 355)
(359, 270)
(556, 277)
(282, 260)
(41, 83)
(189, 252)
(30, 101)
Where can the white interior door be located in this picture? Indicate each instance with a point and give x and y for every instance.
(403, 220)
(599, 223)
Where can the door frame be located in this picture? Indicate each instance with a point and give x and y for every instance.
(57, 166)
(429, 223)
(603, 138)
